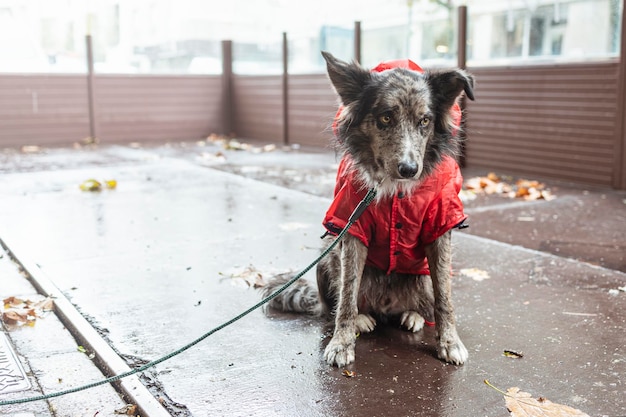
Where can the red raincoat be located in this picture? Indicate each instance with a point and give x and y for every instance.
(396, 230)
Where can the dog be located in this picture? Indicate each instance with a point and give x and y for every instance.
(396, 131)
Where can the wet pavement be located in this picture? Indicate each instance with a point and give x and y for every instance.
(171, 252)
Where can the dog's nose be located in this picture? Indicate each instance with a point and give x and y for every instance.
(407, 169)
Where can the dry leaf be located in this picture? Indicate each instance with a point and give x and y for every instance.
(20, 312)
(12, 302)
(47, 304)
(493, 184)
(521, 404)
(14, 317)
(128, 410)
(513, 354)
(30, 149)
(493, 177)
(348, 374)
(250, 276)
(475, 274)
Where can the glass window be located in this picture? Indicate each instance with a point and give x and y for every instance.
(541, 31)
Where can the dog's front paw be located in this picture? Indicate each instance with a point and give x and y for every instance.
(365, 323)
(340, 351)
(412, 320)
(452, 350)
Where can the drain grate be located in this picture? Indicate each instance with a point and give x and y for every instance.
(12, 375)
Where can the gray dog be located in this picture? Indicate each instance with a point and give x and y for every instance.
(396, 132)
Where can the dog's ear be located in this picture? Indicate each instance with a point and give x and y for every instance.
(348, 79)
(448, 85)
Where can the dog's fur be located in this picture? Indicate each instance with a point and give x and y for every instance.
(396, 127)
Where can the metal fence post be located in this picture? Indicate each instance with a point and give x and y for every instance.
(90, 89)
(227, 87)
(462, 63)
(357, 42)
(285, 88)
(619, 167)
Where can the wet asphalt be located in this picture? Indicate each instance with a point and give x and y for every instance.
(175, 251)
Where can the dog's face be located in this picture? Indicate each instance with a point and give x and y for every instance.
(396, 125)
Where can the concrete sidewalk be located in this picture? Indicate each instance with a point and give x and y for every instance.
(171, 253)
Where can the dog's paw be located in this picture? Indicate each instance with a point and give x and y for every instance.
(412, 320)
(365, 323)
(339, 351)
(452, 350)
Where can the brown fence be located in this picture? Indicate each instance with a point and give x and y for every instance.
(54, 110)
(257, 105)
(43, 109)
(259, 112)
(558, 121)
(135, 108)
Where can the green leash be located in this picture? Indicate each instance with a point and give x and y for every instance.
(360, 208)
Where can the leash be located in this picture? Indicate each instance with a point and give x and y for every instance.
(360, 208)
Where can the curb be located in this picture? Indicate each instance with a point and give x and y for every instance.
(106, 360)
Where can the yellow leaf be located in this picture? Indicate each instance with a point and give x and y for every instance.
(91, 185)
(111, 184)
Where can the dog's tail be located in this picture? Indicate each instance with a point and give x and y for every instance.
(300, 297)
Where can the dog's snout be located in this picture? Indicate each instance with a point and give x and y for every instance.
(407, 169)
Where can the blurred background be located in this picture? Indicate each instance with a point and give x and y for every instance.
(184, 36)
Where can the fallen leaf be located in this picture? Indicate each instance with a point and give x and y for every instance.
(14, 317)
(513, 354)
(348, 374)
(493, 177)
(20, 312)
(95, 185)
(475, 274)
(251, 276)
(91, 141)
(47, 304)
(91, 185)
(494, 184)
(128, 409)
(12, 302)
(521, 404)
(30, 149)
(467, 195)
(235, 145)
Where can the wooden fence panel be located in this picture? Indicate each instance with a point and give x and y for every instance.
(257, 101)
(43, 109)
(312, 107)
(133, 108)
(555, 121)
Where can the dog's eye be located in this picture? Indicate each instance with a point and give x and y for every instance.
(425, 122)
(384, 119)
